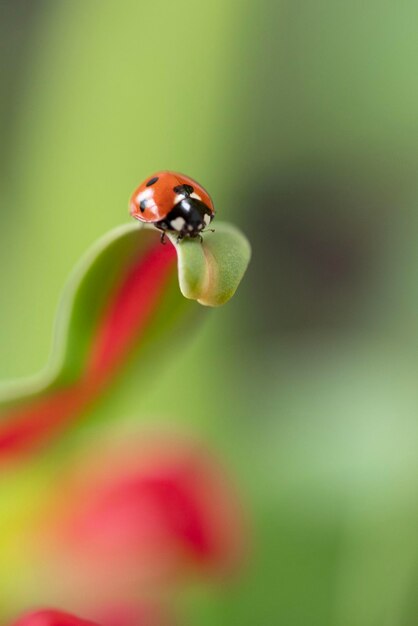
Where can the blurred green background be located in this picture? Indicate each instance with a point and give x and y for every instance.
(301, 118)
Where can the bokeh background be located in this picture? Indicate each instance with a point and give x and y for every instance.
(301, 118)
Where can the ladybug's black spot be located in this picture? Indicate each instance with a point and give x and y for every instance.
(151, 181)
(184, 190)
(143, 205)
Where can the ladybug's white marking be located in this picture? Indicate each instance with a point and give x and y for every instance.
(206, 219)
(144, 195)
(146, 198)
(190, 227)
(178, 223)
(181, 196)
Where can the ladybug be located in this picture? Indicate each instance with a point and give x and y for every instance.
(173, 202)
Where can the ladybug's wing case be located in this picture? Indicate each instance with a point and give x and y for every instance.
(156, 197)
(150, 213)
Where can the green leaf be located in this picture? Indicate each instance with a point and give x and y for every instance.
(122, 303)
(211, 271)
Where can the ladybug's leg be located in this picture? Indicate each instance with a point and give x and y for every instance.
(180, 236)
(162, 238)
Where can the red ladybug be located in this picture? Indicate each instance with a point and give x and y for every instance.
(173, 202)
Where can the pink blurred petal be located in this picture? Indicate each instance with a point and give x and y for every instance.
(164, 509)
(51, 618)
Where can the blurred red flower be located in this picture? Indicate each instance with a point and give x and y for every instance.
(160, 509)
(51, 618)
(117, 616)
